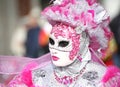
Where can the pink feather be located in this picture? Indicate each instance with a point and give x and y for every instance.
(112, 71)
(26, 74)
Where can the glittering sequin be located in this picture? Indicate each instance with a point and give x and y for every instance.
(38, 73)
(91, 75)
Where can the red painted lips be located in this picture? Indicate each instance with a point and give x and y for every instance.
(55, 58)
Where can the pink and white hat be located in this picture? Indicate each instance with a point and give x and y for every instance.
(83, 15)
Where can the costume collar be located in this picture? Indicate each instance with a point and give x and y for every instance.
(68, 74)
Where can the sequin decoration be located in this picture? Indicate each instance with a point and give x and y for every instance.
(90, 76)
(38, 73)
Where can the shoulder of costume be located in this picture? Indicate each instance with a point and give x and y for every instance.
(112, 74)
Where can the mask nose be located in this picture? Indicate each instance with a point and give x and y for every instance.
(53, 51)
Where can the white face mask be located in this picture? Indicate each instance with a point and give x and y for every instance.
(60, 50)
(65, 45)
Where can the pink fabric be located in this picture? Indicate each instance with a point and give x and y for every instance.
(110, 73)
(111, 77)
(21, 80)
(21, 66)
(17, 64)
(26, 74)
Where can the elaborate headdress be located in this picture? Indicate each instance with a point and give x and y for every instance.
(83, 15)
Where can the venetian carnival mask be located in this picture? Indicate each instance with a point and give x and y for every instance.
(64, 44)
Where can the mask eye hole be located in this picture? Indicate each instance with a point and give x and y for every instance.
(63, 43)
(51, 41)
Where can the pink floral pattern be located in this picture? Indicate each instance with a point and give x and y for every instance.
(68, 32)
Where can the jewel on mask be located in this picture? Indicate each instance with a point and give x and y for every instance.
(78, 30)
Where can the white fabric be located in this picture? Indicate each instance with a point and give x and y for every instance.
(85, 80)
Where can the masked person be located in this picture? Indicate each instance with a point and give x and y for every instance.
(78, 40)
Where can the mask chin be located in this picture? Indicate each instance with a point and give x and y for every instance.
(61, 59)
(63, 63)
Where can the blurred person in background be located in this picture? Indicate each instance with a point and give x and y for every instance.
(31, 38)
(37, 40)
(115, 27)
(111, 50)
(18, 39)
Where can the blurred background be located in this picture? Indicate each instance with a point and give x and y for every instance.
(22, 29)
(24, 33)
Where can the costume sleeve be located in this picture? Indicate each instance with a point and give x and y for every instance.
(22, 68)
(24, 79)
(17, 82)
(111, 77)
